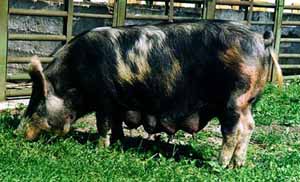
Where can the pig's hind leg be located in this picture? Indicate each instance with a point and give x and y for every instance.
(237, 125)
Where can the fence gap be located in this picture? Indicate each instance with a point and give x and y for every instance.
(3, 46)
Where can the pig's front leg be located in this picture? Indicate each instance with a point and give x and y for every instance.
(103, 127)
(116, 127)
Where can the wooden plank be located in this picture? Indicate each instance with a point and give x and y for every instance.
(18, 85)
(68, 25)
(245, 3)
(185, 18)
(211, 9)
(37, 12)
(3, 46)
(18, 92)
(290, 66)
(291, 77)
(18, 77)
(292, 7)
(291, 23)
(295, 40)
(158, 17)
(296, 56)
(180, 1)
(119, 13)
(233, 3)
(37, 37)
(24, 60)
(262, 22)
(91, 15)
(147, 17)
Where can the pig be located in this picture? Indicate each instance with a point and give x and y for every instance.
(179, 75)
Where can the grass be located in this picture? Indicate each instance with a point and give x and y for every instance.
(273, 155)
(279, 106)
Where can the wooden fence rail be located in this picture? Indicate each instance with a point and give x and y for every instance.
(208, 10)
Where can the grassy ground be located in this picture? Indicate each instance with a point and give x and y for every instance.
(273, 155)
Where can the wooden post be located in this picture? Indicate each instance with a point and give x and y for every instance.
(210, 9)
(3, 46)
(204, 9)
(68, 25)
(119, 13)
(171, 11)
(250, 13)
(277, 30)
(278, 23)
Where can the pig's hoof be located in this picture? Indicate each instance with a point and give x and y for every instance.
(238, 162)
(224, 162)
(103, 142)
(235, 163)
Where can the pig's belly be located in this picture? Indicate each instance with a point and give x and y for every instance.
(190, 124)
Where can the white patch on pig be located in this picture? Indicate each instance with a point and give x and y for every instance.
(155, 32)
(187, 28)
(139, 54)
(54, 104)
(114, 33)
(100, 29)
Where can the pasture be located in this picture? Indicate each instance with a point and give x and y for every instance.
(273, 155)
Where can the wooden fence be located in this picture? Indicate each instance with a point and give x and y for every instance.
(207, 7)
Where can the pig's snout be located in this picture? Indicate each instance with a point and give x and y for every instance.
(32, 133)
(28, 130)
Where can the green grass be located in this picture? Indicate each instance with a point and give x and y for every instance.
(273, 154)
(279, 106)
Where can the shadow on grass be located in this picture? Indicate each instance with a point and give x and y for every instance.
(136, 144)
(141, 145)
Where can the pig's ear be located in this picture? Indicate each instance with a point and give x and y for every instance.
(37, 75)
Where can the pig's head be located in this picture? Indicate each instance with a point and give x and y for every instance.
(46, 110)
